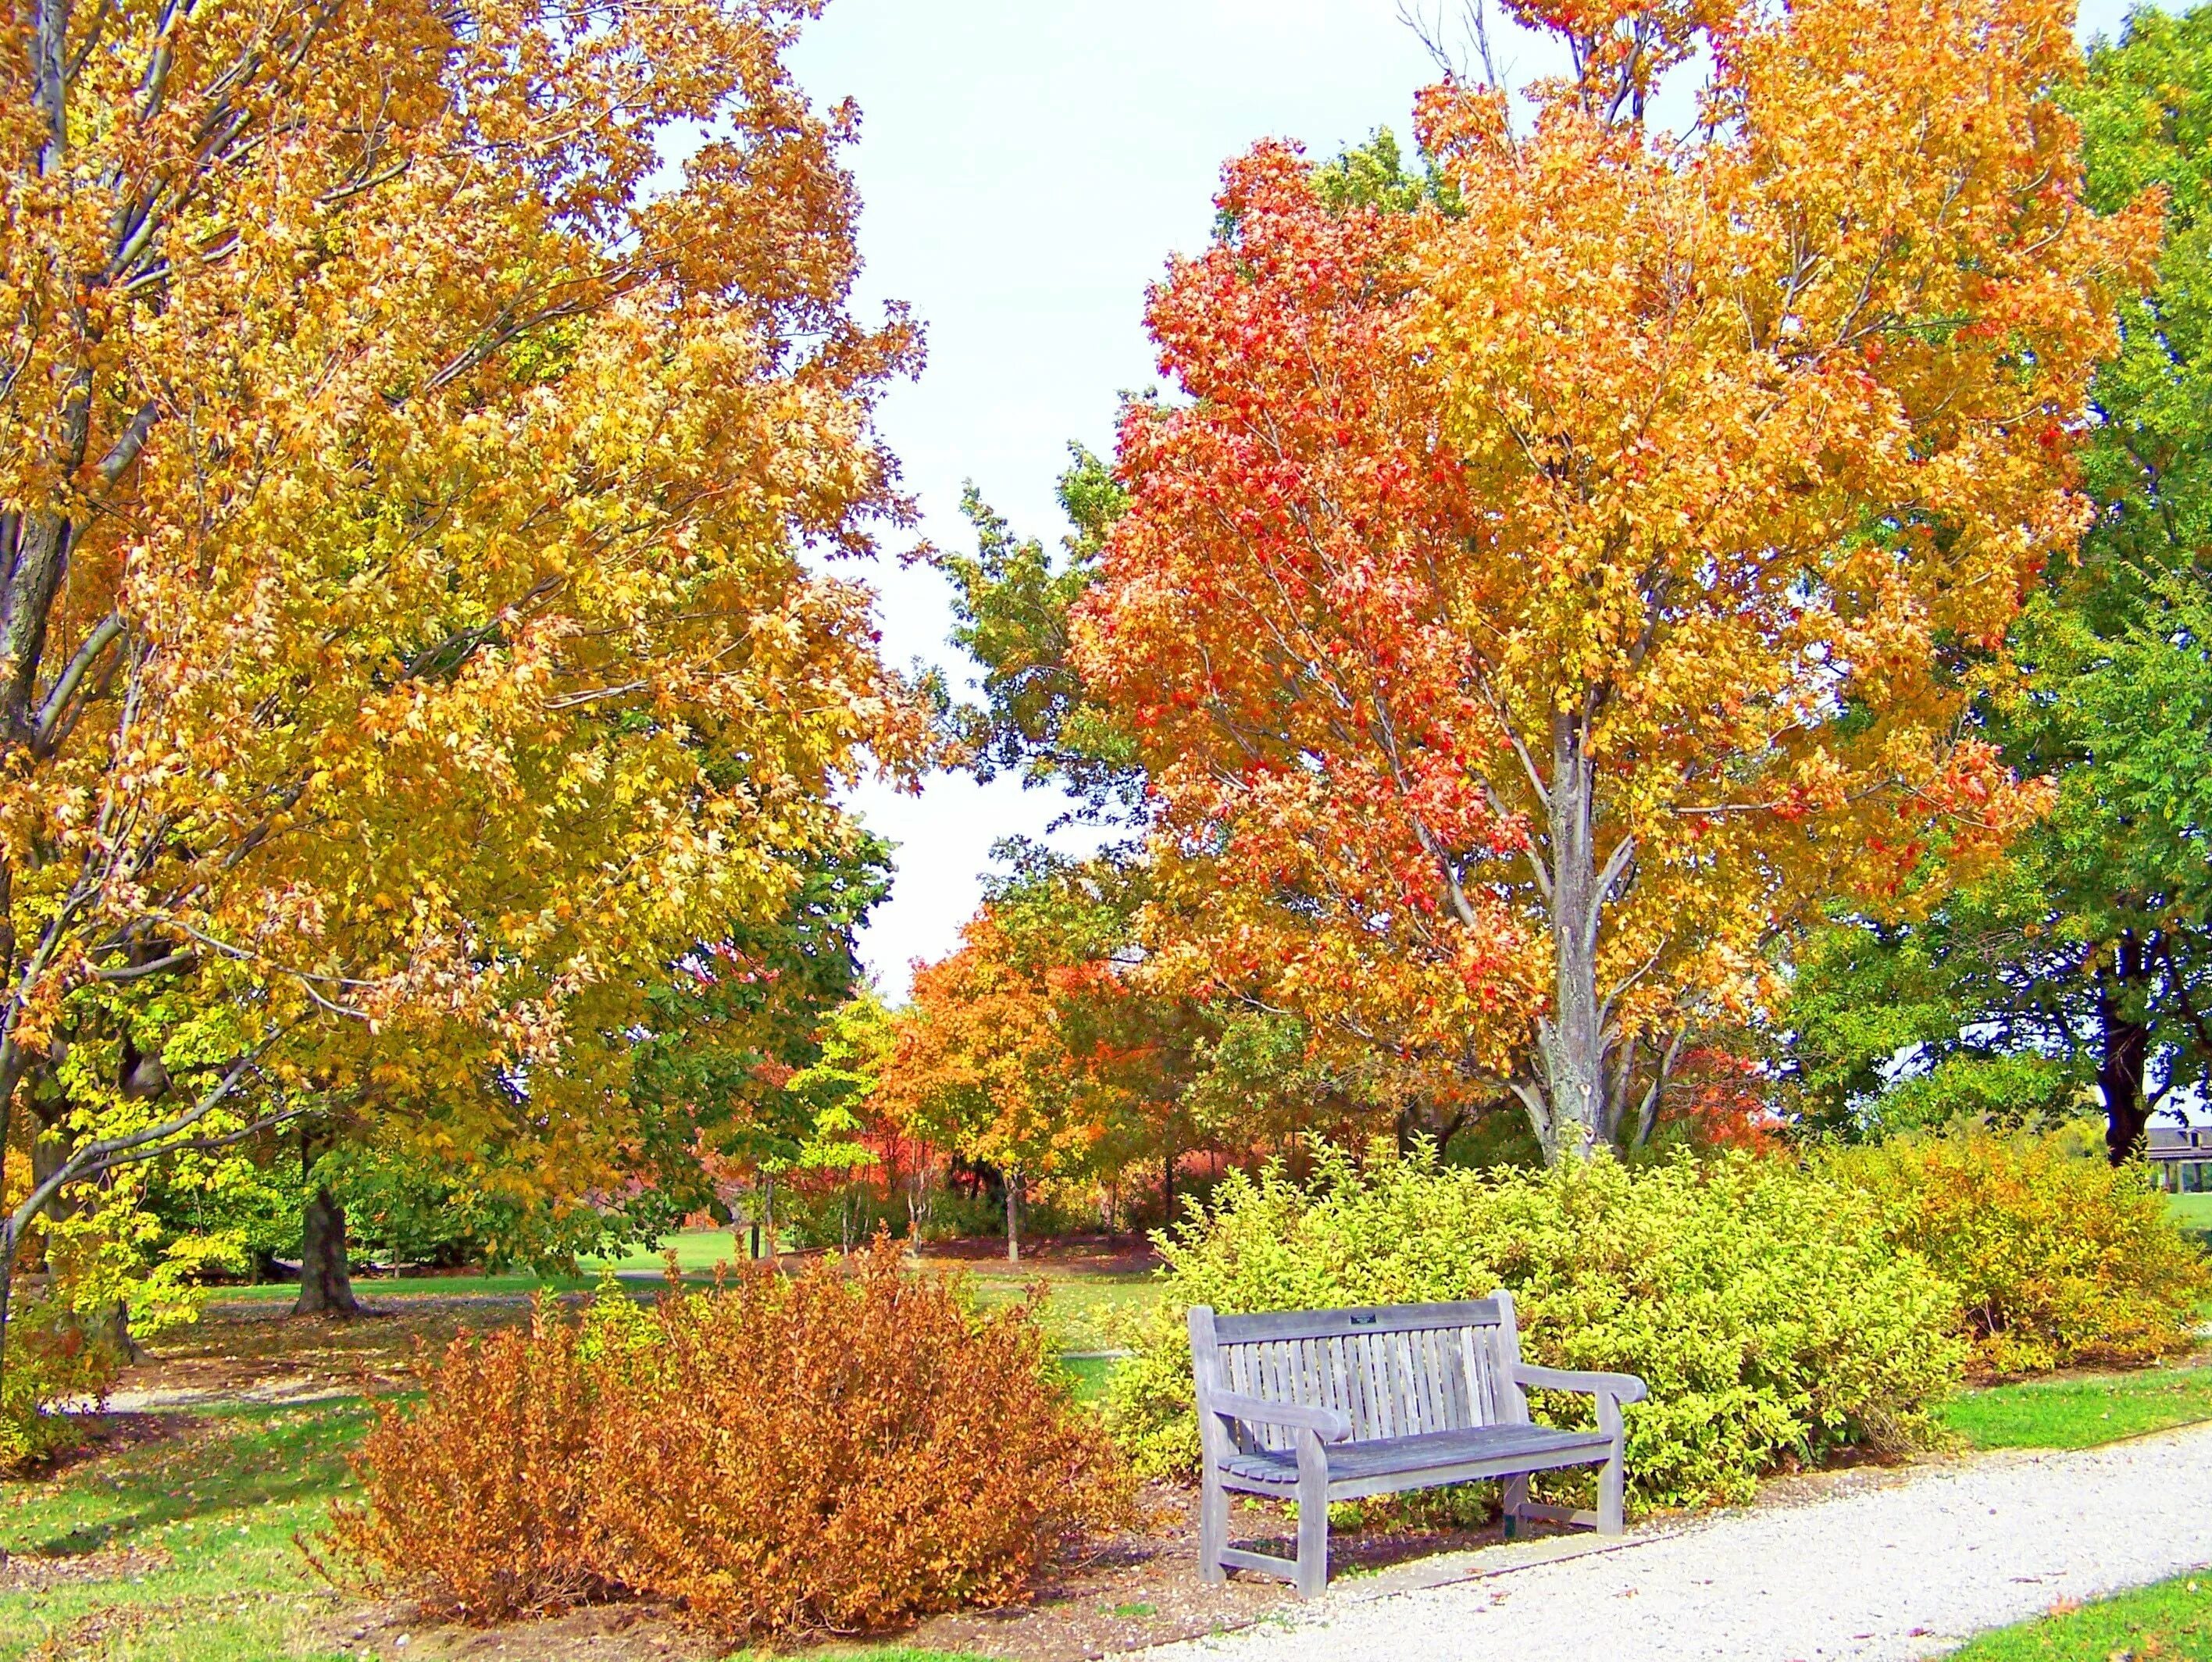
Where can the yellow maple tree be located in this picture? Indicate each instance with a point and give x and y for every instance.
(410, 631)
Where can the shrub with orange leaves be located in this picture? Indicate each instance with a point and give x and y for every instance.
(475, 1498)
(2058, 1258)
(837, 1451)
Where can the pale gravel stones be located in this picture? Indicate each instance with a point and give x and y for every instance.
(1900, 1571)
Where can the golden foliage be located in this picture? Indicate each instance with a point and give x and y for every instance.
(834, 1451)
(1544, 596)
(2060, 1260)
(406, 640)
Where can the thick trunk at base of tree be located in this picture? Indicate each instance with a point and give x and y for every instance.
(2124, 1047)
(1013, 1214)
(325, 1289)
(1166, 1191)
(1571, 1040)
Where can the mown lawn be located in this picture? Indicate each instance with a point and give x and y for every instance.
(2080, 1411)
(2191, 1211)
(2171, 1622)
(186, 1542)
(1081, 1312)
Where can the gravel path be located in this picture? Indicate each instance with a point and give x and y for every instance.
(1899, 1572)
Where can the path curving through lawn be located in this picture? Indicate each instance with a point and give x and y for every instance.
(1903, 1570)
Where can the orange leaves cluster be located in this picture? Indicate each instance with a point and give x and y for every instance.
(983, 1065)
(1601, 554)
(837, 1452)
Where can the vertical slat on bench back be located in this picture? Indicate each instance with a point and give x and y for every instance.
(1394, 1371)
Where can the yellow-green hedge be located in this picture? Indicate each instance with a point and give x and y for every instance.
(2058, 1258)
(1768, 1305)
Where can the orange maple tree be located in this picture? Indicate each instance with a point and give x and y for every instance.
(982, 1066)
(1541, 597)
(406, 641)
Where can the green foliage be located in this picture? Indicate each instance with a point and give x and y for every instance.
(1763, 1304)
(1375, 175)
(2092, 948)
(1011, 602)
(2009, 1092)
(2057, 1257)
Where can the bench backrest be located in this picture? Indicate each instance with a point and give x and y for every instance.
(1393, 1370)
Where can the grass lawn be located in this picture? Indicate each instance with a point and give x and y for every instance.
(2169, 1623)
(1083, 1310)
(2191, 1211)
(2080, 1412)
(1080, 1311)
(193, 1532)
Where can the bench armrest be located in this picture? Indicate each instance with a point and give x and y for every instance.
(1622, 1387)
(1326, 1423)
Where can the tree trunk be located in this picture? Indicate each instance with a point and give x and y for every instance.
(1013, 1214)
(325, 1289)
(2124, 1052)
(1573, 1120)
(1166, 1191)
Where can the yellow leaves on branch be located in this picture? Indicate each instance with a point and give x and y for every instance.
(407, 493)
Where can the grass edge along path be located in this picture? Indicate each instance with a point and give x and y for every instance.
(2080, 1410)
(2166, 1622)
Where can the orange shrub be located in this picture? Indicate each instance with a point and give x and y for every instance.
(838, 1451)
(474, 1500)
(2058, 1258)
(841, 1450)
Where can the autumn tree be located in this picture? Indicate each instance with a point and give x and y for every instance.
(2084, 964)
(1542, 595)
(1198, 1042)
(407, 645)
(980, 1067)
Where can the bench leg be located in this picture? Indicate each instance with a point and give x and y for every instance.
(1614, 1480)
(1611, 1482)
(1313, 1524)
(1516, 1496)
(1212, 1527)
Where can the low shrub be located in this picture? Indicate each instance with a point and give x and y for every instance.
(2058, 1259)
(836, 1451)
(54, 1356)
(1764, 1304)
(475, 1499)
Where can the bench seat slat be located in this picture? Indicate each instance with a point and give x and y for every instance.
(1400, 1457)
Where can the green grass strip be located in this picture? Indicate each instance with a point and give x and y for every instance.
(2080, 1412)
(2171, 1622)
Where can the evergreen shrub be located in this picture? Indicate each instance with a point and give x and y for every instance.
(1766, 1306)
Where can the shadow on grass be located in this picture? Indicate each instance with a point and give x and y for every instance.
(214, 1461)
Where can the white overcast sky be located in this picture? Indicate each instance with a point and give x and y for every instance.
(1027, 167)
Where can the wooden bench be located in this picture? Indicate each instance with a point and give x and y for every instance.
(1321, 1406)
